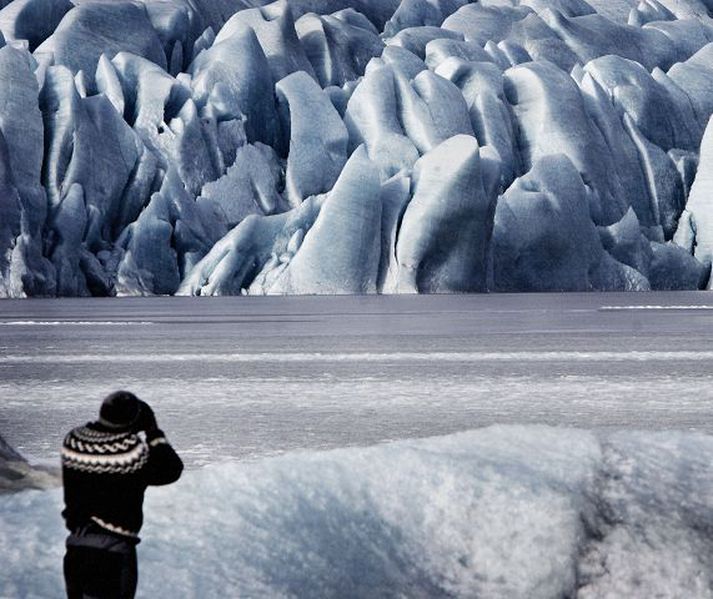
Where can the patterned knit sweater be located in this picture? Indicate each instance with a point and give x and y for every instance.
(105, 475)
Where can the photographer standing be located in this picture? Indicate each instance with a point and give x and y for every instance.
(106, 467)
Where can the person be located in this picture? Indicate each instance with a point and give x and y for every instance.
(106, 467)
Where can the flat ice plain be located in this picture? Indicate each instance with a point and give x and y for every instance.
(251, 377)
(503, 512)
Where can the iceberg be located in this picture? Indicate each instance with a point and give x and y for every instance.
(543, 237)
(627, 244)
(24, 267)
(697, 222)
(338, 46)
(419, 13)
(21, 123)
(403, 60)
(32, 20)
(376, 11)
(177, 26)
(569, 8)
(253, 254)
(415, 39)
(372, 118)
(234, 76)
(69, 222)
(481, 24)
(246, 109)
(648, 104)
(250, 186)
(443, 241)
(664, 181)
(672, 268)
(10, 223)
(395, 196)
(624, 151)
(543, 43)
(693, 76)
(88, 144)
(351, 214)
(151, 99)
(164, 243)
(592, 36)
(95, 28)
(439, 50)
(318, 137)
(482, 86)
(274, 27)
(551, 117)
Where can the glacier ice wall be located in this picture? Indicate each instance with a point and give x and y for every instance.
(354, 146)
(504, 512)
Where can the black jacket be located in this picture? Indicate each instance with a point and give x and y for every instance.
(105, 475)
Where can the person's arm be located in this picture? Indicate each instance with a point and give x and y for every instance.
(163, 466)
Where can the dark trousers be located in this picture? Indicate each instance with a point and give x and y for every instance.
(100, 567)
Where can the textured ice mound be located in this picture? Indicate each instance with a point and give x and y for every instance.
(16, 474)
(140, 141)
(505, 512)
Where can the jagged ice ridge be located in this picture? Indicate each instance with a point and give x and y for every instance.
(355, 146)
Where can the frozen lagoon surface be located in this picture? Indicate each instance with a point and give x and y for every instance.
(524, 510)
(252, 377)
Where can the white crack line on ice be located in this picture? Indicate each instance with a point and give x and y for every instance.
(644, 308)
(453, 357)
(82, 323)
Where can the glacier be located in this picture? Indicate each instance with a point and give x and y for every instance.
(195, 147)
(621, 514)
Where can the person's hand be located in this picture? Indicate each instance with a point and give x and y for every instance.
(146, 420)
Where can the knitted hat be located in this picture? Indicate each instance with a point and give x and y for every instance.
(119, 410)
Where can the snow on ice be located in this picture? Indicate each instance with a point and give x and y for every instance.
(142, 139)
(502, 512)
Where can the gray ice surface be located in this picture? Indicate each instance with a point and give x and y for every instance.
(247, 377)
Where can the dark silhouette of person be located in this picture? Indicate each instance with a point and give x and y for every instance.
(106, 467)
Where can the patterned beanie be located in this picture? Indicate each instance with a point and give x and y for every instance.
(119, 410)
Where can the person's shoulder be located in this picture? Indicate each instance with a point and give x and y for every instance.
(90, 434)
(93, 431)
(90, 449)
